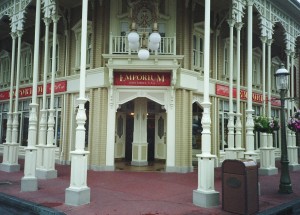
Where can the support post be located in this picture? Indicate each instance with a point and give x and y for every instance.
(205, 195)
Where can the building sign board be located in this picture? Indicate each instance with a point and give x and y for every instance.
(142, 78)
(223, 90)
(59, 87)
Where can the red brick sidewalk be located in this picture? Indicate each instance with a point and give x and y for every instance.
(138, 193)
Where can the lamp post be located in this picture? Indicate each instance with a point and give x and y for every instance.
(282, 80)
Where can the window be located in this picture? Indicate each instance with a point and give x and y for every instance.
(4, 69)
(198, 56)
(226, 61)
(50, 59)
(3, 121)
(275, 114)
(275, 65)
(26, 63)
(77, 31)
(57, 118)
(198, 47)
(256, 67)
(24, 122)
(257, 112)
(223, 122)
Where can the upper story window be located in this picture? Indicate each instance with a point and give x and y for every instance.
(198, 47)
(26, 63)
(4, 68)
(275, 66)
(256, 67)
(51, 59)
(77, 32)
(226, 61)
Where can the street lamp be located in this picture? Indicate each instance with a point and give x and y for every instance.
(282, 84)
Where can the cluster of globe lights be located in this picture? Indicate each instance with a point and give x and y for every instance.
(153, 42)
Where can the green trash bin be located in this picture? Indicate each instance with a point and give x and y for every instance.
(240, 186)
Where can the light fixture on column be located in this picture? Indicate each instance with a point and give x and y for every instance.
(282, 85)
(147, 43)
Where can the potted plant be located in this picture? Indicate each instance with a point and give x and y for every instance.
(294, 122)
(265, 124)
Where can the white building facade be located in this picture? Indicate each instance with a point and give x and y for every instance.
(73, 90)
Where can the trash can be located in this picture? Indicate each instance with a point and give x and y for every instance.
(240, 186)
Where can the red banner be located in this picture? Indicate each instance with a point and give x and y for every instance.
(59, 87)
(223, 90)
(142, 78)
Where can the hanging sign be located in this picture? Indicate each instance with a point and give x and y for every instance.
(59, 87)
(223, 90)
(142, 78)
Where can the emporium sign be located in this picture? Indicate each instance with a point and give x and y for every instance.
(142, 78)
(59, 87)
(223, 90)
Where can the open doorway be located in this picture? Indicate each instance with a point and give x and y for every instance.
(153, 131)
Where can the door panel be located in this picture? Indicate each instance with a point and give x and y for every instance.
(120, 135)
(160, 136)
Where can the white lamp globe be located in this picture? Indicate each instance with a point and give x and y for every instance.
(133, 37)
(153, 46)
(143, 54)
(155, 37)
(134, 46)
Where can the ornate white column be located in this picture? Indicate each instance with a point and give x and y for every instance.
(49, 170)
(10, 163)
(140, 144)
(288, 102)
(292, 148)
(15, 124)
(250, 154)
(43, 111)
(238, 123)
(230, 151)
(267, 156)
(205, 195)
(29, 181)
(79, 193)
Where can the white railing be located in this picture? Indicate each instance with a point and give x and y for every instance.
(119, 45)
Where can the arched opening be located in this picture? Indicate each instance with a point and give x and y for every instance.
(140, 141)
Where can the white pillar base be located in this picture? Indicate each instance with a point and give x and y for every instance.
(78, 193)
(205, 200)
(267, 162)
(205, 195)
(76, 197)
(47, 170)
(29, 184)
(250, 155)
(240, 153)
(231, 154)
(293, 158)
(45, 174)
(29, 181)
(11, 162)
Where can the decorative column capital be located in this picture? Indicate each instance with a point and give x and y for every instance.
(293, 54)
(269, 42)
(264, 39)
(250, 2)
(231, 22)
(20, 33)
(239, 25)
(288, 52)
(55, 18)
(47, 21)
(13, 35)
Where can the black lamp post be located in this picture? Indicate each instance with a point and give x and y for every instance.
(282, 84)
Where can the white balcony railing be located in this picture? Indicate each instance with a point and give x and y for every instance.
(119, 45)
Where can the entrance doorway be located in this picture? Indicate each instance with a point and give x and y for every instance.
(140, 131)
